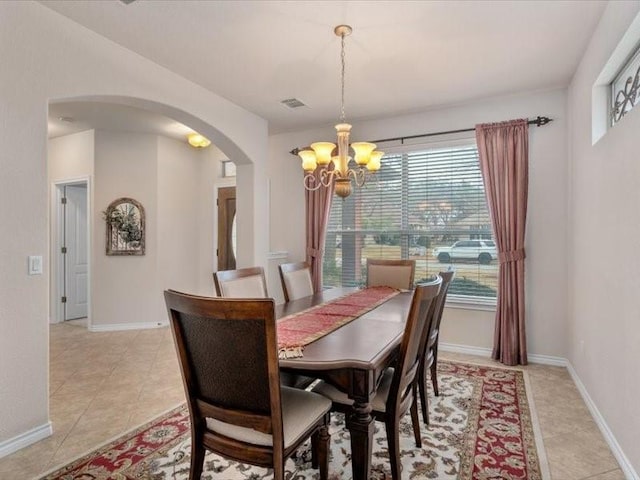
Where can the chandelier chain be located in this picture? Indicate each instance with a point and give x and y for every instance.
(342, 115)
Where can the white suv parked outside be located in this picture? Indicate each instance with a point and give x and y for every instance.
(481, 250)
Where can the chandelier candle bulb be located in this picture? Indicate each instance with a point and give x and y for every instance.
(323, 152)
(308, 157)
(374, 161)
(363, 151)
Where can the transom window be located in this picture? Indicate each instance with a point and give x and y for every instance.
(625, 89)
(426, 204)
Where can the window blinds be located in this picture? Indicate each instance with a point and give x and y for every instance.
(419, 200)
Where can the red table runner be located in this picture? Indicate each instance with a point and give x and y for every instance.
(300, 329)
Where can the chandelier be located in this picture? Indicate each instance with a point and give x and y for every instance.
(318, 160)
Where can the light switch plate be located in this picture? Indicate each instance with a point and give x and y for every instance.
(35, 265)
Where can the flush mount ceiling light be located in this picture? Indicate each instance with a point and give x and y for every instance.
(319, 157)
(198, 141)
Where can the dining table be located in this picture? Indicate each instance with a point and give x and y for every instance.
(352, 358)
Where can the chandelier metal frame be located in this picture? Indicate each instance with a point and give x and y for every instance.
(322, 167)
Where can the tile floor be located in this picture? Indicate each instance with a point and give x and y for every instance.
(103, 384)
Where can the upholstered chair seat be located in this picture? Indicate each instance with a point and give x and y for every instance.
(299, 409)
(379, 402)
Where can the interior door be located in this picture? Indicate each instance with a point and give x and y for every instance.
(76, 272)
(226, 228)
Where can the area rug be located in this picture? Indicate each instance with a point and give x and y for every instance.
(481, 428)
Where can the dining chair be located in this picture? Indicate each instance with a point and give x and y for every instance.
(392, 273)
(296, 280)
(228, 358)
(241, 283)
(429, 357)
(396, 392)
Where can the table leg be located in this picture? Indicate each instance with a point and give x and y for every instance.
(360, 425)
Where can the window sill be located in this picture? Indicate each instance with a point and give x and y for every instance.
(471, 303)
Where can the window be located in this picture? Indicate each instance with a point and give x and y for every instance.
(228, 169)
(427, 204)
(625, 88)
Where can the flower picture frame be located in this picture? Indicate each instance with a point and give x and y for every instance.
(125, 232)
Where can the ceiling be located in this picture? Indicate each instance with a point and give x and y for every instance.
(403, 56)
(72, 117)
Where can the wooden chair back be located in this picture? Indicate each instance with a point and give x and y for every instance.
(429, 346)
(229, 362)
(419, 320)
(296, 280)
(392, 273)
(241, 283)
(447, 278)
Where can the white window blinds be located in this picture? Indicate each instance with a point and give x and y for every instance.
(426, 204)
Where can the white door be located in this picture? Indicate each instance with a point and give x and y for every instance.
(76, 277)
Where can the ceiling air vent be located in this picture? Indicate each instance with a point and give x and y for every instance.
(292, 103)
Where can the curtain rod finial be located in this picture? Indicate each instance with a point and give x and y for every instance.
(540, 121)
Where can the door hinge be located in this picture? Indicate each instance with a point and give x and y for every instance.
(63, 200)
(217, 253)
(63, 299)
(63, 249)
(217, 202)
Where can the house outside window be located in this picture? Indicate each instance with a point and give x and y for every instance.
(426, 204)
(625, 88)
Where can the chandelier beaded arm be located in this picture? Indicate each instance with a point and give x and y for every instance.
(318, 160)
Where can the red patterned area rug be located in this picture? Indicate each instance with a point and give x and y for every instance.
(481, 428)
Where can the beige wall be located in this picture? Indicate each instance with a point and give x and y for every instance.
(69, 158)
(124, 288)
(186, 217)
(546, 300)
(175, 184)
(47, 57)
(604, 273)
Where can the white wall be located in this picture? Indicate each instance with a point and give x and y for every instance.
(604, 271)
(546, 300)
(48, 57)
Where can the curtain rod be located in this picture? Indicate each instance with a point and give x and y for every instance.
(538, 122)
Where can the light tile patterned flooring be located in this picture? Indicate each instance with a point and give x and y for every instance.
(103, 384)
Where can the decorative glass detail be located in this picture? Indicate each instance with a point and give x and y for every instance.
(625, 89)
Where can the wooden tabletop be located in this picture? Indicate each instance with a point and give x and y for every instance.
(361, 343)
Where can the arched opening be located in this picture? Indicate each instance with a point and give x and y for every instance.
(122, 147)
(177, 185)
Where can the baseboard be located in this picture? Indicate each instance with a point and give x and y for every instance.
(486, 352)
(618, 453)
(469, 350)
(115, 327)
(25, 439)
(547, 360)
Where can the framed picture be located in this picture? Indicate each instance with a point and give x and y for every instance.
(125, 227)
